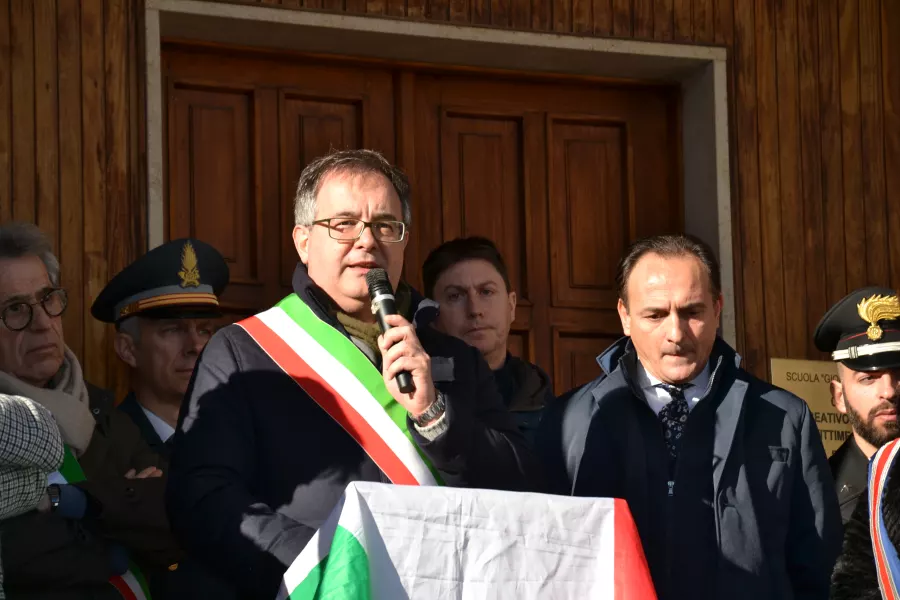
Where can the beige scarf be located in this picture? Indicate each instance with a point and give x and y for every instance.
(368, 333)
(66, 397)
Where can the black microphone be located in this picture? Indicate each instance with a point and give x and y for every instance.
(382, 296)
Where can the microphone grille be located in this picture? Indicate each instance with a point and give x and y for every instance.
(377, 279)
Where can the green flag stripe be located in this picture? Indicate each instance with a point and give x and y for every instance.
(346, 352)
(343, 574)
(70, 469)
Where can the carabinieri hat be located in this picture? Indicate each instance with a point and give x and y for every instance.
(862, 331)
(179, 279)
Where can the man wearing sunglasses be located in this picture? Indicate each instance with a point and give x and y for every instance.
(267, 438)
(106, 501)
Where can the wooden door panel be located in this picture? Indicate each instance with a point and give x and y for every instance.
(590, 201)
(482, 174)
(211, 192)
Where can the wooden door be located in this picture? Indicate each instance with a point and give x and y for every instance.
(562, 177)
(240, 131)
(560, 174)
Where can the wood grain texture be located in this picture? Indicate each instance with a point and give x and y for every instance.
(890, 42)
(94, 182)
(793, 264)
(811, 167)
(872, 116)
(22, 111)
(770, 178)
(832, 159)
(664, 19)
(748, 158)
(851, 145)
(46, 125)
(6, 142)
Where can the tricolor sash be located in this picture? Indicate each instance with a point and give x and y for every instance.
(131, 585)
(338, 377)
(887, 563)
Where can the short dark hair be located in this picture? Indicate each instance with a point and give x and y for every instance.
(669, 246)
(456, 251)
(353, 162)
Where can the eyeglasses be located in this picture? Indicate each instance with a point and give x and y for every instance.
(18, 315)
(347, 229)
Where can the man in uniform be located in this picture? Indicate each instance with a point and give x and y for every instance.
(271, 432)
(468, 278)
(862, 334)
(163, 306)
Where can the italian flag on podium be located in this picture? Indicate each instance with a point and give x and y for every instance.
(387, 542)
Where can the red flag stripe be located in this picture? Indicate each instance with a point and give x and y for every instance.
(330, 400)
(632, 574)
(122, 588)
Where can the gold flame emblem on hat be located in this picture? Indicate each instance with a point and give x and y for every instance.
(190, 275)
(875, 309)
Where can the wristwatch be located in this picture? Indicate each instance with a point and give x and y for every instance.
(53, 494)
(432, 412)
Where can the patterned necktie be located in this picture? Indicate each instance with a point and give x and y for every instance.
(674, 416)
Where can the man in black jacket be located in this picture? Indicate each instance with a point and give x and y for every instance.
(469, 280)
(724, 473)
(288, 407)
(868, 386)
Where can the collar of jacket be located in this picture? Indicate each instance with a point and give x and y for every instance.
(423, 311)
(724, 380)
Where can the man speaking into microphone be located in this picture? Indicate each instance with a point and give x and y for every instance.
(289, 406)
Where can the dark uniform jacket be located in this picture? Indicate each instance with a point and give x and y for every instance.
(526, 391)
(188, 579)
(131, 407)
(48, 557)
(849, 467)
(751, 512)
(855, 576)
(259, 466)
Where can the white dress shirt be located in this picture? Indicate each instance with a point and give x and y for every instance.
(163, 429)
(657, 397)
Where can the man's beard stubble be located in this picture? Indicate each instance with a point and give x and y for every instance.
(867, 429)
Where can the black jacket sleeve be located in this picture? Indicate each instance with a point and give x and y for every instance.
(854, 576)
(814, 527)
(210, 505)
(46, 552)
(482, 446)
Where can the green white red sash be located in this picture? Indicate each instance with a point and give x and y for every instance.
(131, 585)
(345, 384)
(887, 563)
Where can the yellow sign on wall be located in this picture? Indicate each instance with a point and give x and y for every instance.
(811, 380)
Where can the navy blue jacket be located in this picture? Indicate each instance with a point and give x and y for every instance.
(752, 511)
(258, 465)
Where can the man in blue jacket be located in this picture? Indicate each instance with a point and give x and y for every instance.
(725, 474)
(289, 406)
